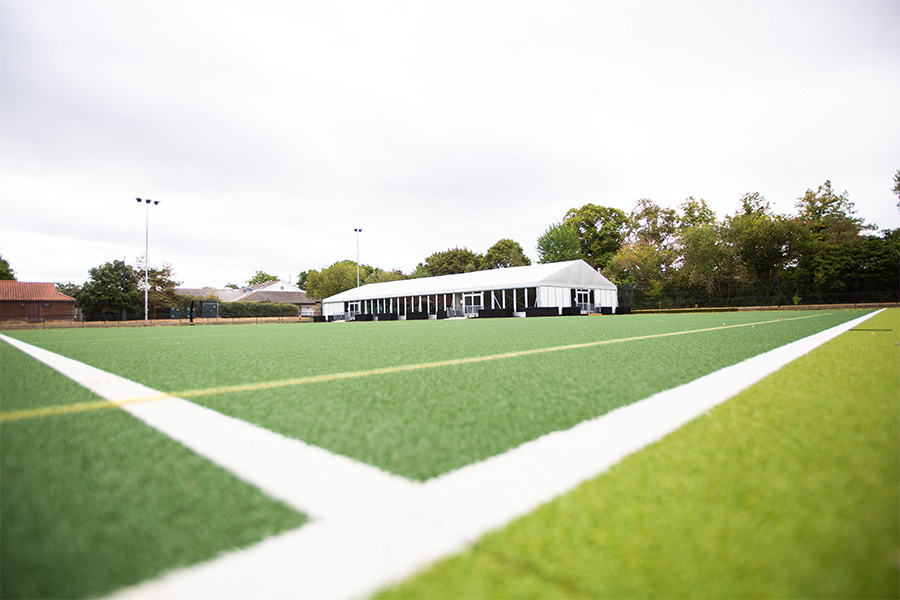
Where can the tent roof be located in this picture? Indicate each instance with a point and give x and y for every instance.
(574, 273)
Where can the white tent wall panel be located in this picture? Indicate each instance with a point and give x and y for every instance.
(609, 298)
(554, 296)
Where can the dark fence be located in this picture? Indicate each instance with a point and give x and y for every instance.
(769, 300)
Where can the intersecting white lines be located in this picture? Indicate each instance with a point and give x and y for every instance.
(370, 528)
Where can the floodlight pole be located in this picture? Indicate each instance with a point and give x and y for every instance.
(147, 258)
(357, 254)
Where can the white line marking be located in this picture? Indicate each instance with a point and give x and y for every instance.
(371, 528)
(305, 477)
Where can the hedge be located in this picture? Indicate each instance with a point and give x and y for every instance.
(257, 309)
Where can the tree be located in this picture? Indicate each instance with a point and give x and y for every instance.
(641, 265)
(339, 277)
(648, 257)
(380, 275)
(765, 243)
(70, 289)
(455, 260)
(651, 224)
(111, 291)
(261, 277)
(6, 271)
(302, 279)
(558, 243)
(708, 260)
(162, 294)
(896, 188)
(419, 272)
(601, 231)
(695, 213)
(868, 264)
(505, 253)
(829, 216)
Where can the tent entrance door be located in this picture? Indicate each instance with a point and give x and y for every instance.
(583, 300)
(472, 303)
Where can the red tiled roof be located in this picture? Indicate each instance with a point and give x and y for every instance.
(20, 291)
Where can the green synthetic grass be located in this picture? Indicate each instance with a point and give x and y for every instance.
(94, 501)
(424, 423)
(789, 490)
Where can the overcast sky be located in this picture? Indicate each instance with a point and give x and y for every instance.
(269, 130)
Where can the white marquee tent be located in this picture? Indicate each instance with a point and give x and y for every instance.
(570, 287)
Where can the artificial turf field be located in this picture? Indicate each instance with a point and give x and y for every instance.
(419, 399)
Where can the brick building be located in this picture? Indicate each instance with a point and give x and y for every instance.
(34, 302)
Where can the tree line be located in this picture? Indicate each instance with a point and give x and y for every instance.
(687, 256)
(658, 256)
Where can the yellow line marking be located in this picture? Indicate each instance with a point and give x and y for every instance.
(66, 409)
(20, 415)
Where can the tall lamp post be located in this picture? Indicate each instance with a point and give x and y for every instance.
(147, 257)
(357, 254)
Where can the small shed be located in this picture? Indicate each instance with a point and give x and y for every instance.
(570, 287)
(34, 302)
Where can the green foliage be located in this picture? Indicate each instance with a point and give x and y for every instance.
(379, 275)
(6, 271)
(261, 277)
(505, 253)
(865, 261)
(333, 280)
(111, 291)
(70, 289)
(558, 243)
(829, 216)
(754, 202)
(668, 257)
(708, 260)
(695, 213)
(652, 225)
(162, 295)
(648, 257)
(765, 243)
(896, 188)
(455, 260)
(601, 231)
(643, 265)
(419, 272)
(236, 310)
(341, 276)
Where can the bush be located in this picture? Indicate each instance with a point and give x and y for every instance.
(230, 310)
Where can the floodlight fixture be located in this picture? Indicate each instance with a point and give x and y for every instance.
(147, 201)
